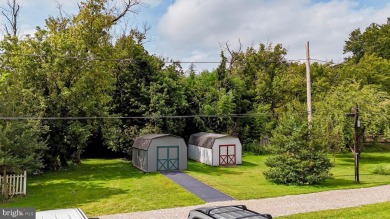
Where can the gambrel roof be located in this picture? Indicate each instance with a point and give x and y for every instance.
(143, 142)
(204, 139)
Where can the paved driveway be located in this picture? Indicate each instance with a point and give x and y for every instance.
(203, 191)
(279, 206)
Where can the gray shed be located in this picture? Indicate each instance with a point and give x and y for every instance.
(159, 152)
(215, 149)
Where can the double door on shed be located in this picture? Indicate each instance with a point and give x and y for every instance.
(167, 158)
(227, 154)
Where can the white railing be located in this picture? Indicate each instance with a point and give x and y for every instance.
(16, 184)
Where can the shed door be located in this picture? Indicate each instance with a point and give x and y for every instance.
(227, 154)
(167, 158)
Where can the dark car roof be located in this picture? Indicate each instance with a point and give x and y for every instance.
(231, 212)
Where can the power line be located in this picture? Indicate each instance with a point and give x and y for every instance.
(90, 58)
(244, 115)
(319, 60)
(194, 62)
(131, 117)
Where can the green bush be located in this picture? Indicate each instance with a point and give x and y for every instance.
(298, 169)
(380, 170)
(375, 147)
(298, 159)
(255, 148)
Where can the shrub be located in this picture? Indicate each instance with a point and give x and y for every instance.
(256, 148)
(298, 160)
(380, 170)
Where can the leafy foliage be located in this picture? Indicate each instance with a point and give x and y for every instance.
(332, 125)
(76, 67)
(371, 70)
(21, 146)
(374, 40)
(298, 159)
(381, 170)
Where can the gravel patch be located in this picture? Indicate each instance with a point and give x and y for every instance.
(280, 206)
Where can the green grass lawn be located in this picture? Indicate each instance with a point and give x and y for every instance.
(101, 187)
(380, 210)
(247, 181)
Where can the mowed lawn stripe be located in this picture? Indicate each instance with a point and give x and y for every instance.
(101, 187)
(247, 181)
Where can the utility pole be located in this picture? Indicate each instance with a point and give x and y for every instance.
(356, 148)
(308, 85)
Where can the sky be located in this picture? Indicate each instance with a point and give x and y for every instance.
(194, 30)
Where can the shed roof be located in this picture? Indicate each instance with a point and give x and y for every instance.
(205, 139)
(143, 142)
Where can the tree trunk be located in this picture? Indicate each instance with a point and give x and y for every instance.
(76, 157)
(5, 184)
(63, 161)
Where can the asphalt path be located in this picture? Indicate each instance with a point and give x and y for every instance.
(198, 188)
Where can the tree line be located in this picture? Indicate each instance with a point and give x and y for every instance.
(76, 68)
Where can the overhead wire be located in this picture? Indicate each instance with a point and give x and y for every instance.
(129, 117)
(91, 58)
(244, 115)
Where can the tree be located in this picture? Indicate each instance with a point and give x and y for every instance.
(72, 71)
(259, 69)
(21, 145)
(247, 85)
(201, 95)
(298, 159)
(11, 14)
(374, 40)
(193, 93)
(334, 129)
(257, 129)
(290, 84)
(371, 70)
(255, 75)
(21, 148)
(73, 87)
(167, 99)
(134, 82)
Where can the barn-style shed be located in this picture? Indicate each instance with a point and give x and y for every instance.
(215, 149)
(159, 152)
